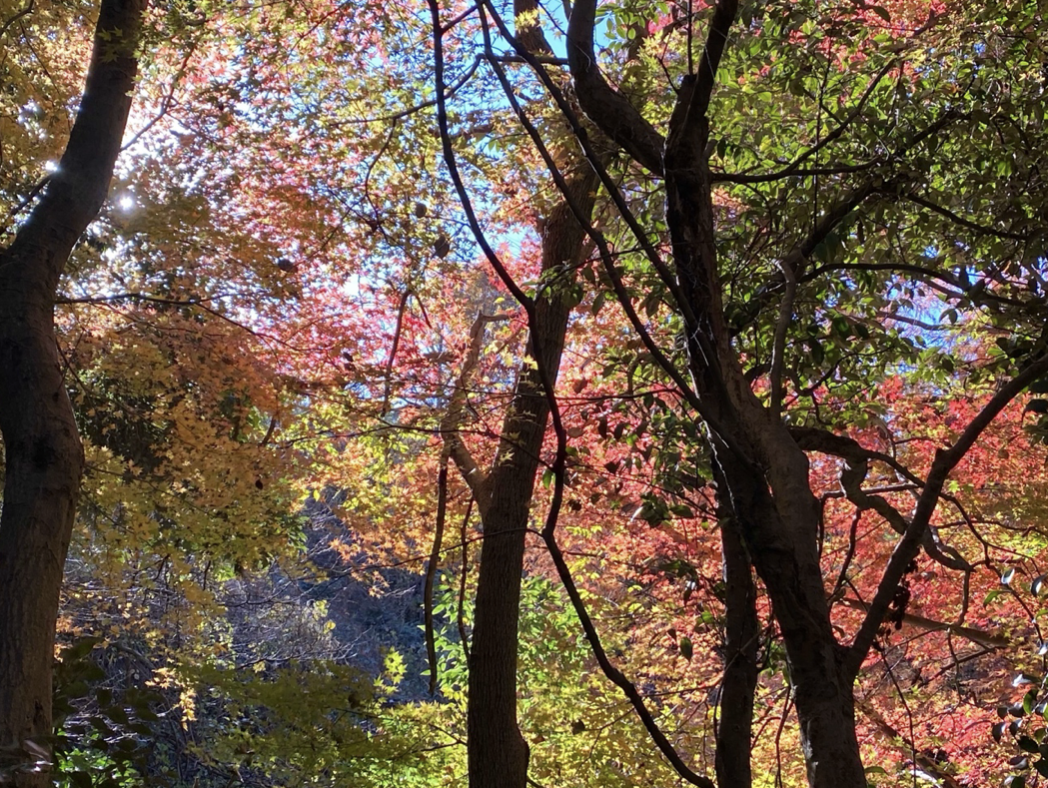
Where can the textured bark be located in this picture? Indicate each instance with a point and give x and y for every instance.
(763, 472)
(497, 753)
(739, 682)
(44, 457)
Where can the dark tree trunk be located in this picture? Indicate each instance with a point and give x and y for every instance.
(44, 457)
(498, 755)
(739, 683)
(765, 472)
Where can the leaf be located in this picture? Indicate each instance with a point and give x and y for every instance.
(686, 648)
(1008, 575)
(998, 731)
(818, 354)
(80, 779)
(598, 303)
(1027, 744)
(882, 12)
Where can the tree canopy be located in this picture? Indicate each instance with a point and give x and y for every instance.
(613, 394)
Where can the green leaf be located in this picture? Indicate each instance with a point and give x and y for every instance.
(598, 302)
(1029, 701)
(80, 779)
(686, 648)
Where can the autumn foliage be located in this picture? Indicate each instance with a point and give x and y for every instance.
(794, 256)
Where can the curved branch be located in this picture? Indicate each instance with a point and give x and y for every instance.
(857, 459)
(960, 220)
(613, 674)
(609, 109)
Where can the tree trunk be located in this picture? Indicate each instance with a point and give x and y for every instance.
(44, 457)
(780, 541)
(498, 756)
(765, 473)
(739, 683)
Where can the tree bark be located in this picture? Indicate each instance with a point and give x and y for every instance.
(498, 755)
(739, 682)
(765, 472)
(44, 456)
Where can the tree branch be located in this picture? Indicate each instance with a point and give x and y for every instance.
(907, 547)
(978, 636)
(450, 425)
(716, 42)
(857, 459)
(609, 109)
(966, 223)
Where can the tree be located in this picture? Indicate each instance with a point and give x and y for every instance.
(498, 755)
(824, 203)
(756, 401)
(43, 455)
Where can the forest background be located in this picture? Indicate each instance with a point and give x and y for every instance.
(639, 394)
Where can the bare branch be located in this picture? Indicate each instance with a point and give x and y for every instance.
(15, 17)
(978, 636)
(616, 676)
(451, 424)
(431, 573)
(779, 340)
(967, 223)
(857, 459)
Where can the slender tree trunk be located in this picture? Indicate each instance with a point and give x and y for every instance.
(498, 756)
(44, 457)
(781, 542)
(739, 683)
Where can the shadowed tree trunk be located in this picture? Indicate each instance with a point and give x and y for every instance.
(497, 752)
(739, 682)
(44, 457)
(763, 473)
